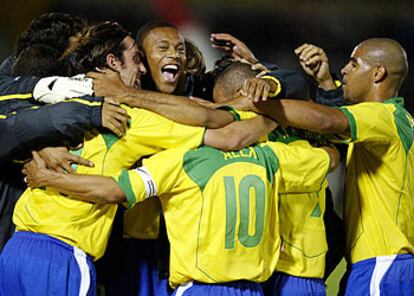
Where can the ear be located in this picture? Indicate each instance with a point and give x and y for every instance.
(113, 62)
(380, 73)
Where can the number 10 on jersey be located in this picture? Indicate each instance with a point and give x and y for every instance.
(246, 184)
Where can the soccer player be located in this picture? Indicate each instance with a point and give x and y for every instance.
(57, 30)
(59, 237)
(67, 122)
(379, 191)
(220, 207)
(301, 264)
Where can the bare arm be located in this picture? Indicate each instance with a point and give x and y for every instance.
(304, 115)
(333, 156)
(91, 188)
(180, 109)
(239, 134)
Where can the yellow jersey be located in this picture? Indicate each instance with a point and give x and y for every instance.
(379, 191)
(302, 230)
(148, 228)
(88, 225)
(221, 208)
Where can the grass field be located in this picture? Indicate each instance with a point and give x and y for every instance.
(332, 283)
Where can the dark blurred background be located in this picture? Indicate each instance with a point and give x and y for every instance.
(272, 29)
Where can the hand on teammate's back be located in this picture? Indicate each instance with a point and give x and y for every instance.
(315, 63)
(59, 159)
(114, 117)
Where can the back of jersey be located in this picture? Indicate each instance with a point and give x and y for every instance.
(229, 216)
(221, 208)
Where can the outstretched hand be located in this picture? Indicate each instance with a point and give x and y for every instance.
(315, 63)
(230, 44)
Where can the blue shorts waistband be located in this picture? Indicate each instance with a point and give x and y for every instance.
(372, 261)
(45, 237)
(228, 284)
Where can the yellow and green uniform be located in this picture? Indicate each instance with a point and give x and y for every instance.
(149, 228)
(302, 230)
(379, 193)
(221, 207)
(87, 225)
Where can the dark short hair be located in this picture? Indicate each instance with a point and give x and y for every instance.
(96, 43)
(52, 29)
(148, 27)
(232, 77)
(39, 60)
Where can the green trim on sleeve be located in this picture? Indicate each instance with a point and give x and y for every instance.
(233, 112)
(352, 123)
(125, 184)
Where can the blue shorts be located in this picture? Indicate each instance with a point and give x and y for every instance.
(384, 275)
(288, 285)
(138, 274)
(37, 264)
(237, 288)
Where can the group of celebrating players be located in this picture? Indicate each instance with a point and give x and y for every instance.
(178, 181)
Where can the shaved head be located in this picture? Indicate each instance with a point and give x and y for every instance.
(388, 53)
(231, 80)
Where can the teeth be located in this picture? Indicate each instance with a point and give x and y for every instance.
(170, 67)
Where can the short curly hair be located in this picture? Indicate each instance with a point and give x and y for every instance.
(51, 29)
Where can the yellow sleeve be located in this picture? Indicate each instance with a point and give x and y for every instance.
(161, 132)
(302, 168)
(158, 174)
(369, 121)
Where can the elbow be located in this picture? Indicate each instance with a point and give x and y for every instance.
(233, 142)
(217, 118)
(325, 124)
(334, 157)
(108, 196)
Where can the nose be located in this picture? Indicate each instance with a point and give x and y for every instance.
(172, 52)
(142, 69)
(344, 70)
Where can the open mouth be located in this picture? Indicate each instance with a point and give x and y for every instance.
(170, 72)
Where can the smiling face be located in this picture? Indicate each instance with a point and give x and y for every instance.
(164, 50)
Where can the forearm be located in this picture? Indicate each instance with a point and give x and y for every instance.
(240, 134)
(53, 123)
(179, 109)
(91, 188)
(304, 115)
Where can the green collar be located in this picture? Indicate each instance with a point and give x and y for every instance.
(396, 100)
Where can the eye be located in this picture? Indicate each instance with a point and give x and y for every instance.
(136, 59)
(181, 49)
(163, 48)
